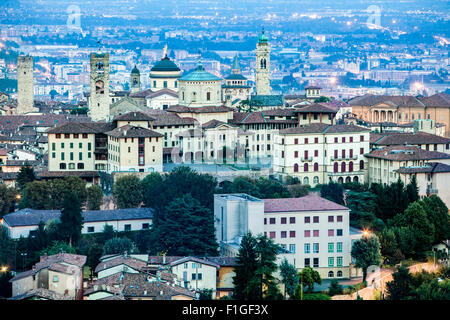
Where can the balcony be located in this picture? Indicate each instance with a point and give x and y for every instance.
(308, 159)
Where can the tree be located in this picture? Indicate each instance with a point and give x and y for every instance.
(5, 246)
(94, 197)
(289, 277)
(8, 197)
(5, 285)
(298, 190)
(322, 99)
(94, 254)
(412, 190)
(185, 227)
(37, 196)
(25, 175)
(362, 209)
(119, 246)
(71, 219)
(246, 287)
(388, 244)
(335, 288)
(154, 194)
(267, 252)
(58, 247)
(107, 234)
(333, 191)
(415, 217)
(127, 190)
(437, 213)
(400, 287)
(308, 277)
(366, 251)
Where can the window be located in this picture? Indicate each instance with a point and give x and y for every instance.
(283, 220)
(315, 262)
(71, 156)
(330, 218)
(272, 234)
(336, 140)
(295, 154)
(307, 233)
(145, 226)
(127, 227)
(361, 165)
(339, 247)
(307, 247)
(331, 274)
(66, 135)
(89, 146)
(339, 263)
(296, 141)
(193, 276)
(58, 136)
(292, 234)
(80, 166)
(193, 265)
(361, 150)
(305, 167)
(292, 220)
(315, 248)
(185, 265)
(351, 139)
(283, 234)
(55, 278)
(208, 96)
(80, 145)
(265, 220)
(315, 233)
(316, 153)
(80, 156)
(296, 167)
(316, 140)
(331, 232)
(306, 140)
(307, 262)
(330, 247)
(330, 262)
(199, 276)
(339, 232)
(292, 248)
(316, 219)
(62, 166)
(272, 220)
(53, 155)
(54, 146)
(307, 219)
(361, 138)
(75, 135)
(90, 229)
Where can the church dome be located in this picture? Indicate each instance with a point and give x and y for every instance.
(135, 70)
(165, 64)
(200, 74)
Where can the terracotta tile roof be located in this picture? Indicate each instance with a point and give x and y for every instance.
(410, 138)
(42, 293)
(141, 94)
(164, 118)
(404, 153)
(338, 128)
(280, 112)
(431, 167)
(129, 131)
(12, 122)
(109, 284)
(162, 92)
(213, 124)
(133, 263)
(195, 259)
(56, 262)
(223, 261)
(138, 285)
(371, 100)
(438, 100)
(134, 116)
(310, 128)
(86, 127)
(307, 203)
(158, 260)
(316, 107)
(204, 109)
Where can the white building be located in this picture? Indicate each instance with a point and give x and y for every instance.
(23, 222)
(313, 231)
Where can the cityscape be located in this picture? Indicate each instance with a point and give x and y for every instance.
(224, 150)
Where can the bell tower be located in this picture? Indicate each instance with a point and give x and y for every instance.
(262, 65)
(25, 89)
(135, 81)
(99, 99)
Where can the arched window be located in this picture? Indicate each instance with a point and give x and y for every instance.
(62, 166)
(316, 166)
(305, 167)
(348, 179)
(71, 166)
(350, 166)
(296, 167)
(331, 274)
(336, 167)
(343, 167)
(99, 87)
(316, 180)
(355, 179)
(306, 181)
(263, 63)
(194, 96)
(339, 274)
(80, 165)
(361, 165)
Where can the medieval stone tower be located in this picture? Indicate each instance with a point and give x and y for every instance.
(99, 99)
(135, 81)
(25, 88)
(262, 65)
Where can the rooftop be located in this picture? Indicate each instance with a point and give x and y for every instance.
(310, 202)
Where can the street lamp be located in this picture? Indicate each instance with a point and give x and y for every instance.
(366, 233)
(4, 269)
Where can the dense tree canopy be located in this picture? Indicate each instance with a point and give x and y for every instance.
(127, 191)
(366, 252)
